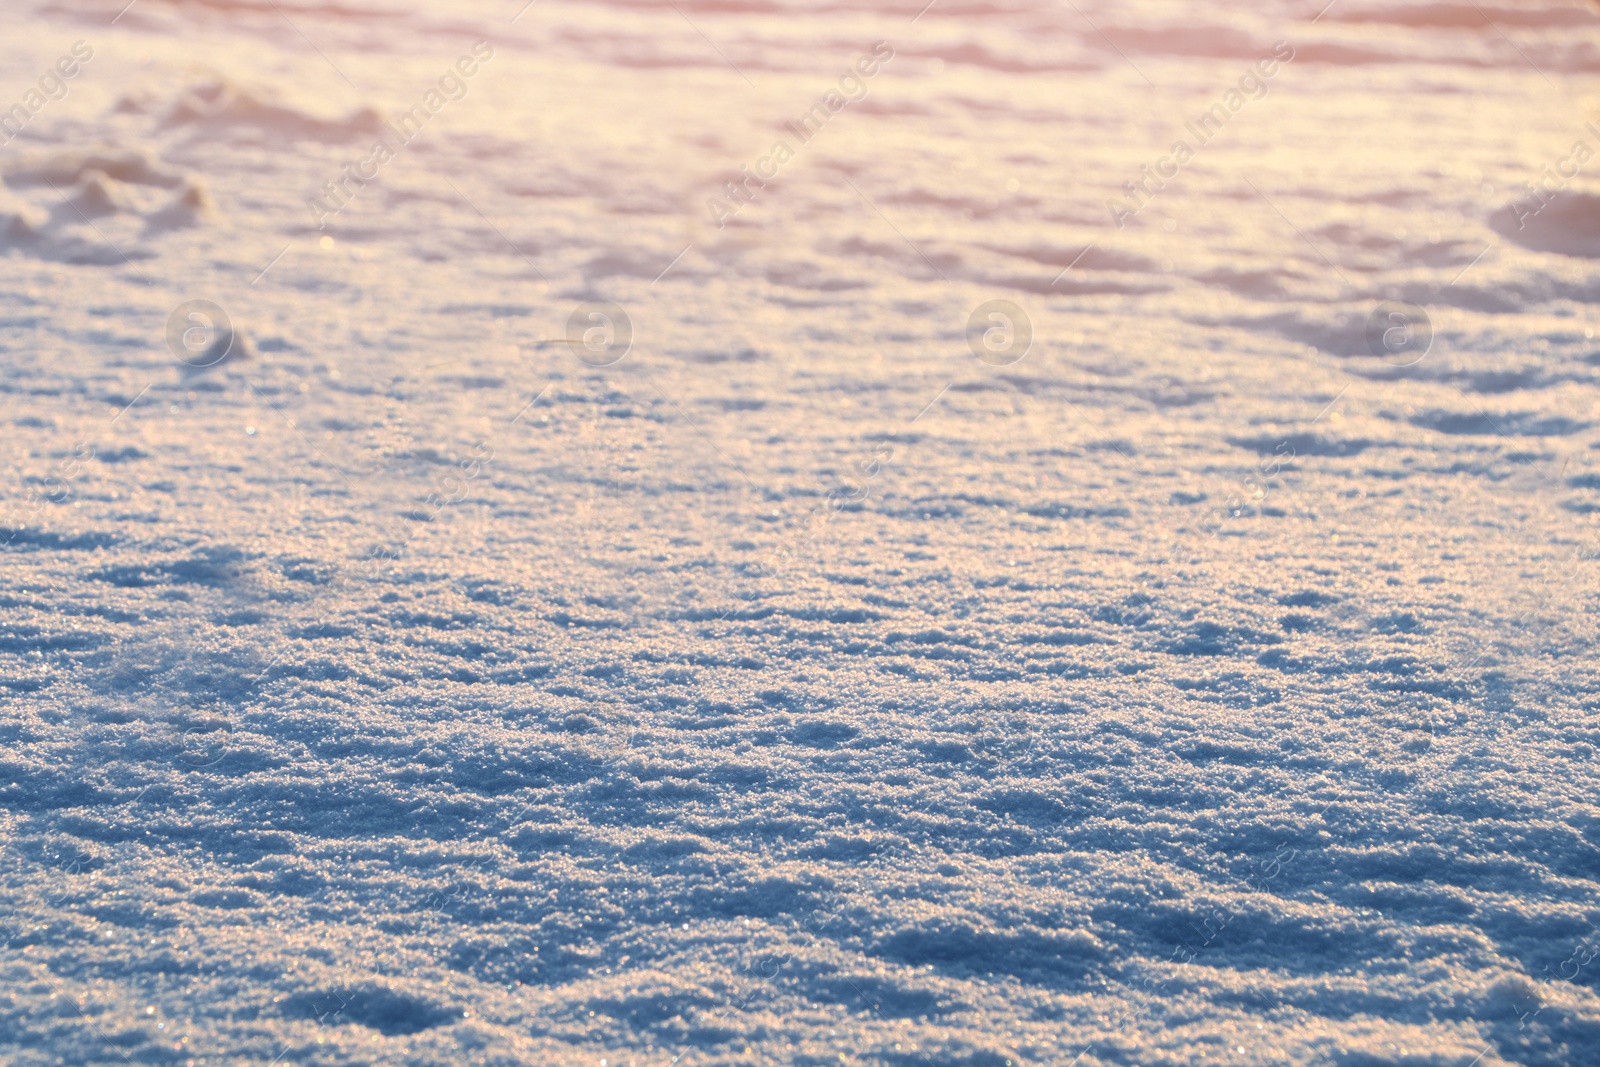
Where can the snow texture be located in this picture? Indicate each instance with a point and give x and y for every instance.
(513, 597)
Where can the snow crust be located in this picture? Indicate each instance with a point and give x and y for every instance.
(577, 603)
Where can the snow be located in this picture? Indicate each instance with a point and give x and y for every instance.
(553, 607)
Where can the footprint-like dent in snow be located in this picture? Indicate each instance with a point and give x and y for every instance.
(72, 167)
(99, 195)
(217, 104)
(388, 1011)
(1567, 224)
(20, 221)
(1511, 424)
(193, 206)
(72, 206)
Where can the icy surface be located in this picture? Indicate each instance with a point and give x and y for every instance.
(388, 680)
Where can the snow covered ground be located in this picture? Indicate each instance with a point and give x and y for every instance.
(798, 664)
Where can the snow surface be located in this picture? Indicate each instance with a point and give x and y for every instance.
(384, 679)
